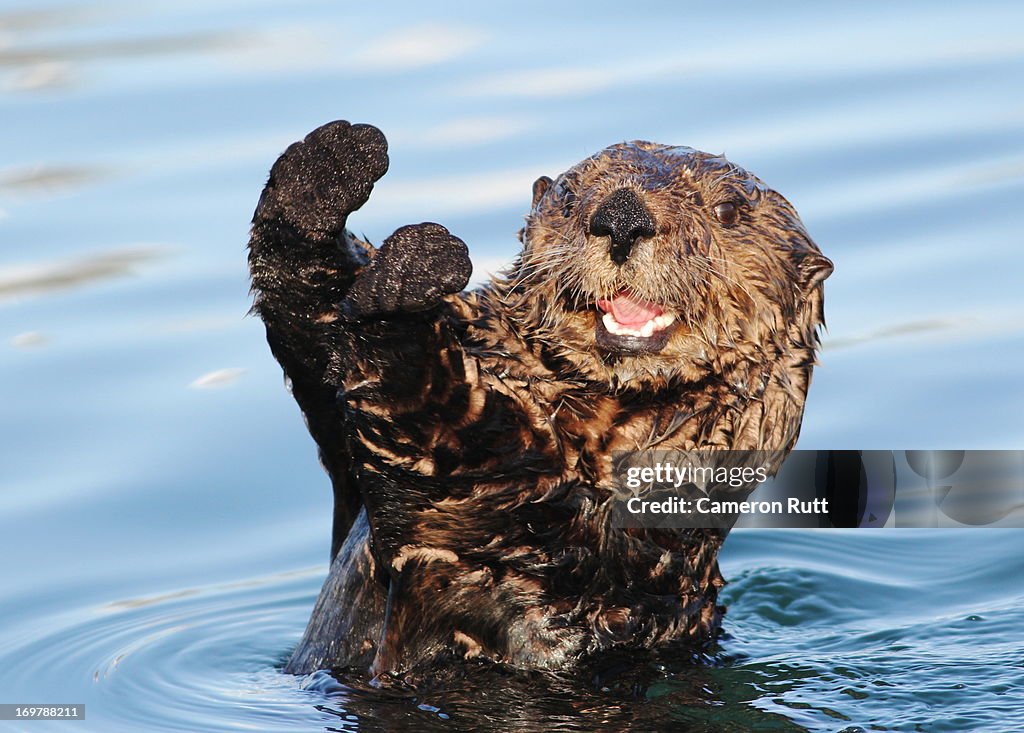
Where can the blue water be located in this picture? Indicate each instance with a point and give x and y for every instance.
(164, 524)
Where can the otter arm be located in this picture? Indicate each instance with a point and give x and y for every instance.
(452, 458)
(305, 265)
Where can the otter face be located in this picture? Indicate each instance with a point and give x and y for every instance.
(654, 263)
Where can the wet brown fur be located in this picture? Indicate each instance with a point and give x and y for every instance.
(470, 441)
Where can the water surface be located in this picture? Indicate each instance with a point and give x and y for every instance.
(164, 521)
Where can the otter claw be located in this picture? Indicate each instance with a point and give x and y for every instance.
(412, 271)
(318, 182)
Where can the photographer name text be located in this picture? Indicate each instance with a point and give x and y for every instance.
(707, 506)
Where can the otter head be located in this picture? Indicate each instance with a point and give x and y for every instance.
(650, 264)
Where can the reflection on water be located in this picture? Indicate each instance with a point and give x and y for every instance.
(217, 378)
(29, 340)
(160, 502)
(888, 332)
(18, 282)
(47, 179)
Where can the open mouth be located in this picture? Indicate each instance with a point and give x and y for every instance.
(627, 324)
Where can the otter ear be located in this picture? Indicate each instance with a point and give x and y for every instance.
(539, 187)
(814, 268)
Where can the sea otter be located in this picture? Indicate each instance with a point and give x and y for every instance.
(663, 298)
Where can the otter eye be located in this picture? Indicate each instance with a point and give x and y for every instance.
(727, 212)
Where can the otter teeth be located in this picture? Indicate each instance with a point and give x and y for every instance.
(659, 323)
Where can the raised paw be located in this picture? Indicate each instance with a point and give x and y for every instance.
(412, 271)
(318, 182)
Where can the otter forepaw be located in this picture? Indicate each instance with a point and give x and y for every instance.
(318, 182)
(412, 271)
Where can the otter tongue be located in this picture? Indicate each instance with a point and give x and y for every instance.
(629, 310)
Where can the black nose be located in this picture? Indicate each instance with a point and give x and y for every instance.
(623, 217)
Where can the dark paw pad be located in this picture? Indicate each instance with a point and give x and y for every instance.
(318, 182)
(412, 271)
